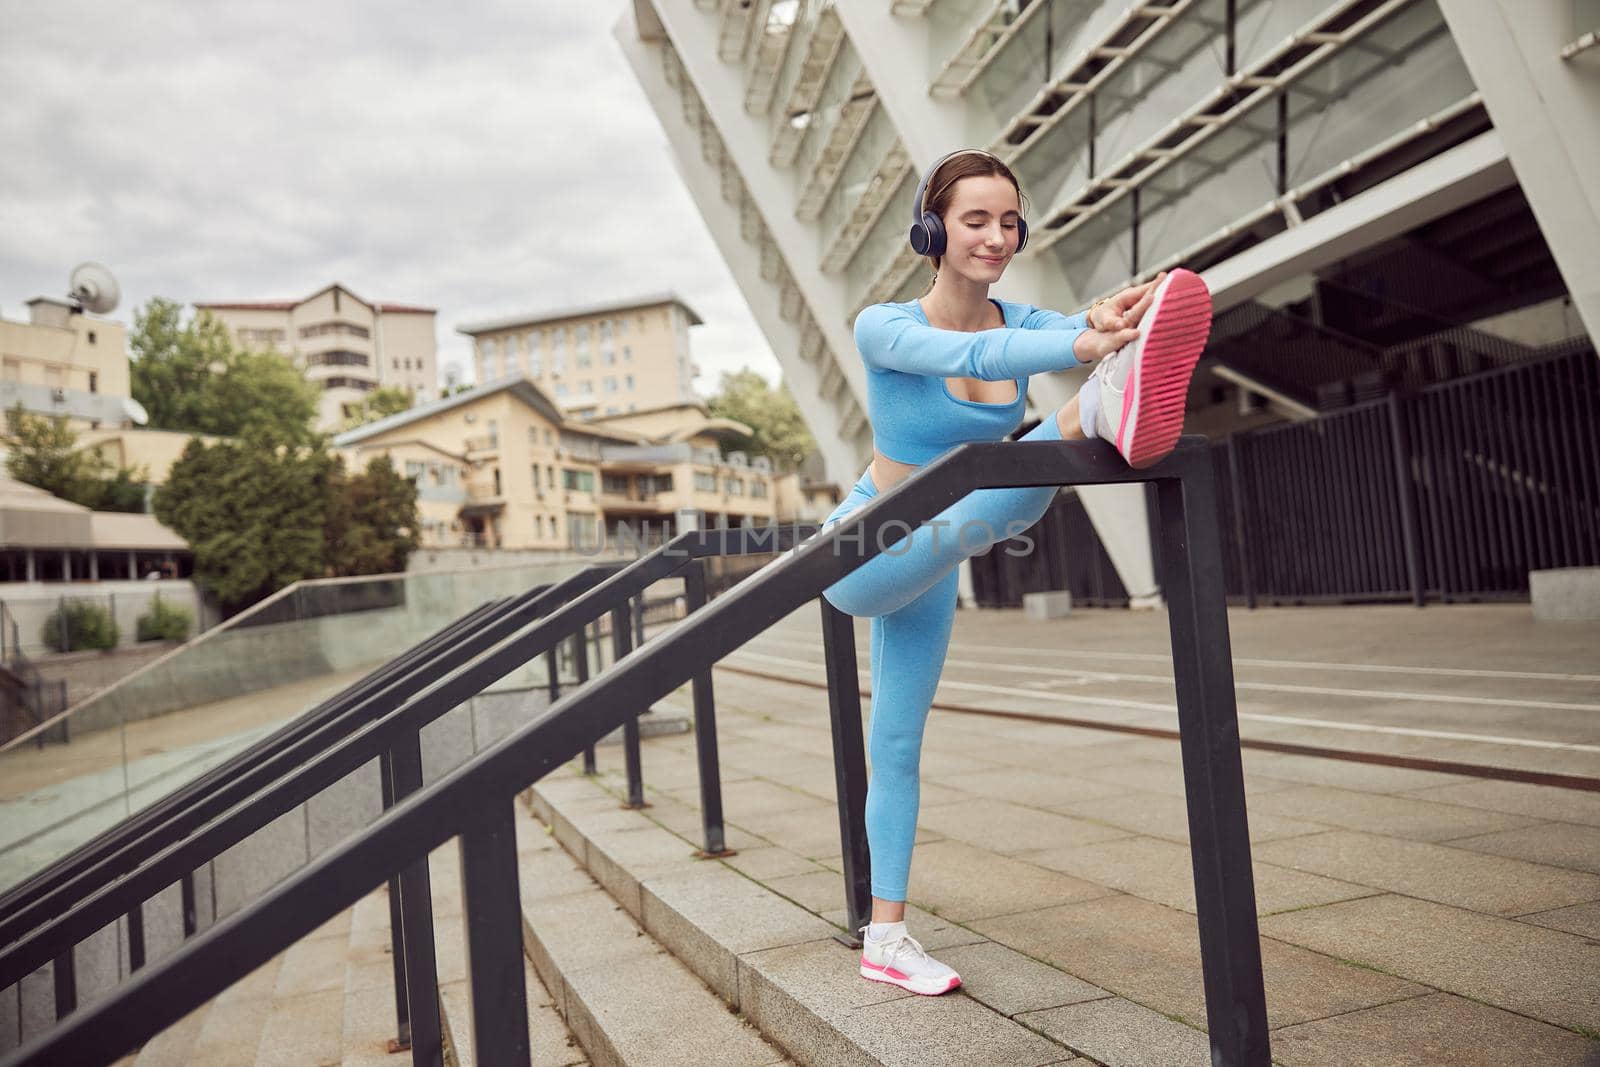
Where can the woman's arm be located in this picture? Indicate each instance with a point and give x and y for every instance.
(1045, 319)
(892, 338)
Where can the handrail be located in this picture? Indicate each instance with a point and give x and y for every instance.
(476, 801)
(91, 896)
(46, 879)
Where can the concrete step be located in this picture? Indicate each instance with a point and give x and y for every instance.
(768, 958)
(627, 999)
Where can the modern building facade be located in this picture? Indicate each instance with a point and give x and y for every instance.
(501, 466)
(604, 359)
(346, 345)
(1353, 178)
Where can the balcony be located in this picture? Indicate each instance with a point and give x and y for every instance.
(822, 48)
(772, 45)
(854, 111)
(482, 445)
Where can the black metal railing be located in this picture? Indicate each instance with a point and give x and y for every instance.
(41, 920)
(474, 803)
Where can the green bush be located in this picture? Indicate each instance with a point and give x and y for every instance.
(164, 622)
(87, 625)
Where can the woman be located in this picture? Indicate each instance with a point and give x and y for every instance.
(953, 367)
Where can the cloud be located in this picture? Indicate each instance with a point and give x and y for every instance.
(483, 159)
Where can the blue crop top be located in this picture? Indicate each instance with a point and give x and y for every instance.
(914, 417)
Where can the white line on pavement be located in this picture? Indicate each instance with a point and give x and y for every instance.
(1374, 728)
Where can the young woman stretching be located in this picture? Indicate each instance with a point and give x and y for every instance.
(950, 368)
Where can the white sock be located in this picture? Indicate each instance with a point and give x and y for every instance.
(882, 931)
(1089, 406)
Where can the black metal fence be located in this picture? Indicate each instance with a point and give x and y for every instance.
(1453, 492)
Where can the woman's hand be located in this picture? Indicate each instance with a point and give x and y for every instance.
(1113, 322)
(1123, 311)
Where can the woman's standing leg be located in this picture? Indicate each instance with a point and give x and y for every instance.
(908, 652)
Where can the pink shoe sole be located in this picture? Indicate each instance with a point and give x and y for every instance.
(1152, 408)
(922, 986)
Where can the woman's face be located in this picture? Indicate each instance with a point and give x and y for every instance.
(981, 228)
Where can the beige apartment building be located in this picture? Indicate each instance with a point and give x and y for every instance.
(500, 466)
(605, 359)
(63, 361)
(346, 345)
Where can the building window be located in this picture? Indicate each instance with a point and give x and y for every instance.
(627, 354)
(550, 476)
(337, 357)
(609, 357)
(736, 487)
(349, 383)
(94, 381)
(758, 489)
(611, 384)
(580, 337)
(415, 469)
(494, 434)
(586, 387)
(704, 482)
(616, 484)
(535, 367)
(612, 409)
(561, 389)
(582, 481)
(627, 381)
(581, 529)
(549, 437)
(320, 329)
(605, 330)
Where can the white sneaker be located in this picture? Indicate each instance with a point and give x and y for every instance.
(899, 960)
(1144, 383)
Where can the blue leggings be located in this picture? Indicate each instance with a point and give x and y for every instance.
(909, 593)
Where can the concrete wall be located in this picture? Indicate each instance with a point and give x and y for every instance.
(31, 603)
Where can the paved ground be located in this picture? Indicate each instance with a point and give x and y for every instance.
(1408, 916)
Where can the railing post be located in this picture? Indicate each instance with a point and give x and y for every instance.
(580, 659)
(397, 939)
(135, 919)
(191, 913)
(493, 914)
(849, 766)
(1408, 504)
(65, 972)
(621, 645)
(705, 729)
(1213, 774)
(416, 919)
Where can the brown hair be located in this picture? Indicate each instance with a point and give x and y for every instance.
(969, 164)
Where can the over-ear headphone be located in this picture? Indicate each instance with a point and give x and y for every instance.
(927, 229)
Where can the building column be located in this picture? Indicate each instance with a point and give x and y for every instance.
(66, 565)
(33, 573)
(94, 565)
(1541, 104)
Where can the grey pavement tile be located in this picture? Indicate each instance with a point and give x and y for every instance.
(1440, 873)
(812, 832)
(1120, 1033)
(962, 883)
(932, 932)
(1580, 919)
(551, 1043)
(1520, 798)
(173, 1046)
(1003, 827)
(1025, 786)
(1345, 774)
(231, 1034)
(797, 995)
(369, 1026)
(950, 1029)
(649, 1009)
(1151, 955)
(618, 860)
(816, 890)
(1010, 982)
(1378, 813)
(1434, 1029)
(710, 915)
(1559, 844)
(1167, 816)
(1528, 969)
(303, 1030)
(312, 967)
(1163, 871)
(769, 861)
(1165, 776)
(757, 797)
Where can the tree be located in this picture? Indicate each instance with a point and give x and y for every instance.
(261, 513)
(372, 520)
(380, 403)
(780, 431)
(252, 511)
(43, 451)
(191, 377)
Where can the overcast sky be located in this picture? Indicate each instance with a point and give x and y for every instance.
(485, 159)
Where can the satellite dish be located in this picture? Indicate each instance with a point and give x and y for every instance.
(94, 287)
(135, 411)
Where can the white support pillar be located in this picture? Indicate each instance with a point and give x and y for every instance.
(721, 87)
(841, 459)
(1546, 111)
